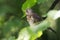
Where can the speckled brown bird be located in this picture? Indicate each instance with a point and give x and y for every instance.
(32, 17)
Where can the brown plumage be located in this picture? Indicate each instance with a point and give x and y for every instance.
(32, 17)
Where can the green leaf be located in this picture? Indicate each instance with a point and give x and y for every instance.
(28, 34)
(28, 4)
(54, 14)
(31, 33)
(41, 26)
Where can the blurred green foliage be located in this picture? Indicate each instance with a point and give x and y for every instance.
(13, 20)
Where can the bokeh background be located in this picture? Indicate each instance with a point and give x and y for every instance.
(11, 21)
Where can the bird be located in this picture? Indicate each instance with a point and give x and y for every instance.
(32, 17)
